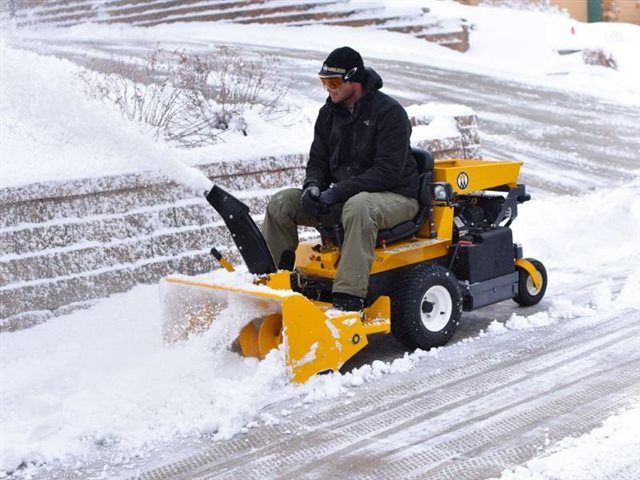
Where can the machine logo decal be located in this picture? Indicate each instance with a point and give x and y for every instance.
(462, 180)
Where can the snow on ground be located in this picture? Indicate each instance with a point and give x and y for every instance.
(103, 379)
(598, 454)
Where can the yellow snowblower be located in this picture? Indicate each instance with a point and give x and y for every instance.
(456, 254)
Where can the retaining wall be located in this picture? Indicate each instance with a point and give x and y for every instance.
(63, 245)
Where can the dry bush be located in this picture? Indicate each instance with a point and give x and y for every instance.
(596, 56)
(191, 99)
(536, 5)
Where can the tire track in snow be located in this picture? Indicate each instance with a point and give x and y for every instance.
(424, 414)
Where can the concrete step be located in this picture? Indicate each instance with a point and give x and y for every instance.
(122, 194)
(49, 298)
(80, 258)
(300, 18)
(365, 18)
(125, 243)
(211, 12)
(124, 8)
(40, 238)
(46, 236)
(454, 40)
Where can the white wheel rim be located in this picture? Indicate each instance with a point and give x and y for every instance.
(531, 288)
(439, 307)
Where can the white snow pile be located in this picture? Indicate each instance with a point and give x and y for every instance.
(602, 453)
(439, 120)
(52, 130)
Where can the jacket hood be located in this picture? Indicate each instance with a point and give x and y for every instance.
(372, 81)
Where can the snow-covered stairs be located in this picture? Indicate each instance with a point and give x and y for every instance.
(64, 244)
(449, 32)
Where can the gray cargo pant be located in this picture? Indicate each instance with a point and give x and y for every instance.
(362, 216)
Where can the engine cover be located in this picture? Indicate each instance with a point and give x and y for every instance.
(489, 256)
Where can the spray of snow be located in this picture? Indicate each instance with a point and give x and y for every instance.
(51, 130)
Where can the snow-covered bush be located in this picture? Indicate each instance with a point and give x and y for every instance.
(190, 99)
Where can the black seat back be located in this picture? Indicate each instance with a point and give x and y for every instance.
(424, 161)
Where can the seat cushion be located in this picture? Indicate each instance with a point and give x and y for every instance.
(403, 230)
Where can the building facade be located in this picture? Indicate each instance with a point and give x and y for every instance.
(627, 11)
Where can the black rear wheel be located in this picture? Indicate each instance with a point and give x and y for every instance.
(528, 294)
(426, 307)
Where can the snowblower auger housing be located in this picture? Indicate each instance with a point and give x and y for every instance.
(458, 255)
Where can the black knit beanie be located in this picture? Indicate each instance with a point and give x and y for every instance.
(344, 62)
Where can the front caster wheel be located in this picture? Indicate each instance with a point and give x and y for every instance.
(528, 294)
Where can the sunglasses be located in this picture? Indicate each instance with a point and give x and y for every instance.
(334, 82)
(331, 82)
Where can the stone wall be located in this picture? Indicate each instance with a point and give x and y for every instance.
(63, 245)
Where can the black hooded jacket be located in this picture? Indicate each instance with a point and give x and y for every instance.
(364, 151)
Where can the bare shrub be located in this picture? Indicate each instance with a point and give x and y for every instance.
(190, 99)
(536, 5)
(596, 56)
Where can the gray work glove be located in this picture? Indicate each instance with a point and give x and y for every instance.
(310, 199)
(328, 198)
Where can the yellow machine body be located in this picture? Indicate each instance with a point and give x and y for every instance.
(313, 336)
(477, 174)
(467, 176)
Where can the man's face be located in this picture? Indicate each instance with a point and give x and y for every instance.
(342, 93)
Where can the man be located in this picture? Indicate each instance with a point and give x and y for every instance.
(360, 159)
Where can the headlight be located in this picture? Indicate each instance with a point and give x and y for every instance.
(439, 193)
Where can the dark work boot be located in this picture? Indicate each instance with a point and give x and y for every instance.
(347, 303)
(287, 260)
